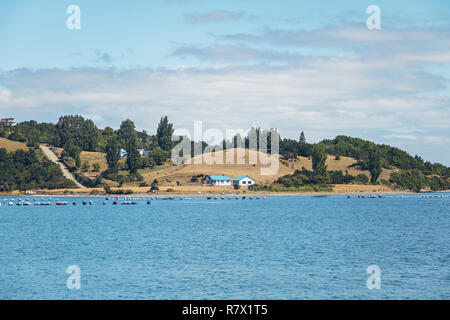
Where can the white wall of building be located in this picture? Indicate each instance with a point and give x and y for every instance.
(245, 182)
(219, 183)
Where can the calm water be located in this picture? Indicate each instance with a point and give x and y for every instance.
(279, 248)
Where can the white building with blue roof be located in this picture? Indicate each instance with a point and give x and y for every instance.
(218, 181)
(243, 181)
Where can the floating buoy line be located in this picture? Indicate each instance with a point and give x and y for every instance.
(27, 202)
(107, 201)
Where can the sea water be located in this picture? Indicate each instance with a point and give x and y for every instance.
(305, 247)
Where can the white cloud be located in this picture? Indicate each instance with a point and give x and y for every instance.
(213, 16)
(234, 53)
(362, 93)
(5, 95)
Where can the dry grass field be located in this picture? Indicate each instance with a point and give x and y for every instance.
(91, 158)
(12, 146)
(178, 177)
(350, 188)
(170, 175)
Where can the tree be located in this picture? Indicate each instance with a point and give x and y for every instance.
(302, 138)
(164, 134)
(128, 136)
(23, 170)
(374, 164)
(337, 177)
(96, 167)
(319, 159)
(104, 136)
(362, 178)
(85, 166)
(72, 151)
(147, 162)
(159, 155)
(112, 153)
(154, 185)
(78, 131)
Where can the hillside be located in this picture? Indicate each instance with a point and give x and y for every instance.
(12, 146)
(169, 175)
(84, 149)
(90, 158)
(178, 177)
(26, 170)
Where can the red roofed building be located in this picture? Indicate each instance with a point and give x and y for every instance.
(8, 121)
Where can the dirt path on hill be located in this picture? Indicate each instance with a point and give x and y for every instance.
(52, 157)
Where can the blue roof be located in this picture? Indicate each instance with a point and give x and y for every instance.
(240, 178)
(219, 178)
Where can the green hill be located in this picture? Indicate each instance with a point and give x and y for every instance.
(92, 154)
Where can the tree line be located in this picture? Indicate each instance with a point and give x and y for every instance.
(74, 134)
(25, 170)
(411, 179)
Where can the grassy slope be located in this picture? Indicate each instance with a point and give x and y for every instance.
(12, 146)
(90, 158)
(168, 175)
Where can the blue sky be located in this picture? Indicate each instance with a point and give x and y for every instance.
(293, 65)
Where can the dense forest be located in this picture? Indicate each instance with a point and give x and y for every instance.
(74, 134)
(23, 170)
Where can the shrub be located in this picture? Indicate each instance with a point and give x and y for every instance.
(196, 177)
(154, 185)
(362, 179)
(85, 167)
(120, 191)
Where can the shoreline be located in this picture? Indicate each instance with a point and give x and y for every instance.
(197, 195)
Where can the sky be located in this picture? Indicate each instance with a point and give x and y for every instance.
(310, 66)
